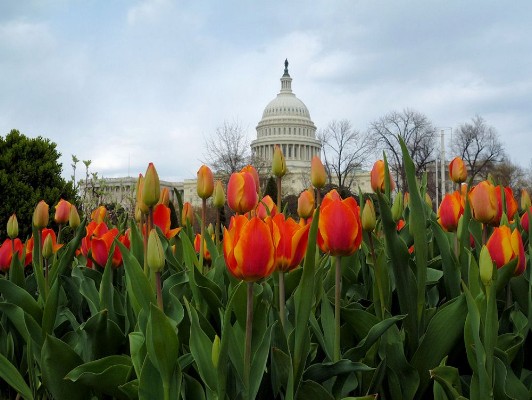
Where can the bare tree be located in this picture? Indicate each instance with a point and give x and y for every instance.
(345, 150)
(228, 150)
(507, 173)
(479, 146)
(418, 133)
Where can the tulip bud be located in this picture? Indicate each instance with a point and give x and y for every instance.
(187, 214)
(62, 212)
(525, 200)
(139, 189)
(215, 352)
(428, 200)
(406, 200)
(164, 198)
(318, 176)
(483, 202)
(98, 214)
(73, 217)
(205, 182)
(12, 227)
(138, 213)
(251, 169)
(305, 203)
(210, 229)
(397, 207)
(151, 189)
(40, 215)
(278, 162)
(155, 257)
(457, 170)
(369, 218)
(485, 266)
(377, 176)
(218, 199)
(48, 247)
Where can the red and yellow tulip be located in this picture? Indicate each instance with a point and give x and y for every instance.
(377, 177)
(161, 218)
(248, 248)
(242, 192)
(306, 204)
(266, 208)
(511, 204)
(340, 227)
(290, 241)
(483, 202)
(62, 212)
(450, 211)
(457, 170)
(505, 245)
(205, 182)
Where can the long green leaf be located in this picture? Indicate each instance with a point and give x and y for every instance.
(12, 377)
(16, 295)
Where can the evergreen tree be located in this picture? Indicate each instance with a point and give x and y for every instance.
(29, 172)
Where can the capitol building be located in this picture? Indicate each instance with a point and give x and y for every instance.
(285, 122)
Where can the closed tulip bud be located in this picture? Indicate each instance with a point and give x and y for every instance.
(397, 207)
(98, 214)
(48, 247)
(369, 218)
(187, 214)
(278, 162)
(164, 198)
(483, 202)
(210, 229)
(266, 207)
(155, 257)
(306, 203)
(151, 189)
(450, 211)
(318, 176)
(457, 170)
(485, 265)
(241, 192)
(205, 182)
(40, 215)
(377, 177)
(215, 352)
(406, 200)
(139, 188)
(62, 212)
(73, 217)
(525, 200)
(251, 170)
(218, 199)
(12, 227)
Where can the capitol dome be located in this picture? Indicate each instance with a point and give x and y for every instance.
(286, 122)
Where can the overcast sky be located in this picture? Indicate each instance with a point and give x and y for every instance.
(125, 82)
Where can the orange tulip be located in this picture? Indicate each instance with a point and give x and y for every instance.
(450, 211)
(251, 169)
(305, 204)
(524, 220)
(6, 253)
(318, 176)
(505, 245)
(377, 177)
(248, 248)
(187, 214)
(290, 241)
(457, 170)
(161, 218)
(266, 208)
(241, 192)
(400, 224)
(101, 246)
(40, 215)
(205, 182)
(483, 202)
(93, 229)
(511, 204)
(62, 212)
(206, 252)
(340, 227)
(140, 205)
(98, 215)
(45, 233)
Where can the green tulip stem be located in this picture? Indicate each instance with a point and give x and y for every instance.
(159, 290)
(217, 231)
(279, 194)
(249, 329)
(145, 242)
(337, 293)
(202, 234)
(377, 274)
(318, 197)
(282, 308)
(59, 233)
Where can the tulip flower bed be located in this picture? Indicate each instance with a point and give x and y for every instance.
(340, 304)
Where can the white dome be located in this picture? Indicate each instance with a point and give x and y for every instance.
(286, 104)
